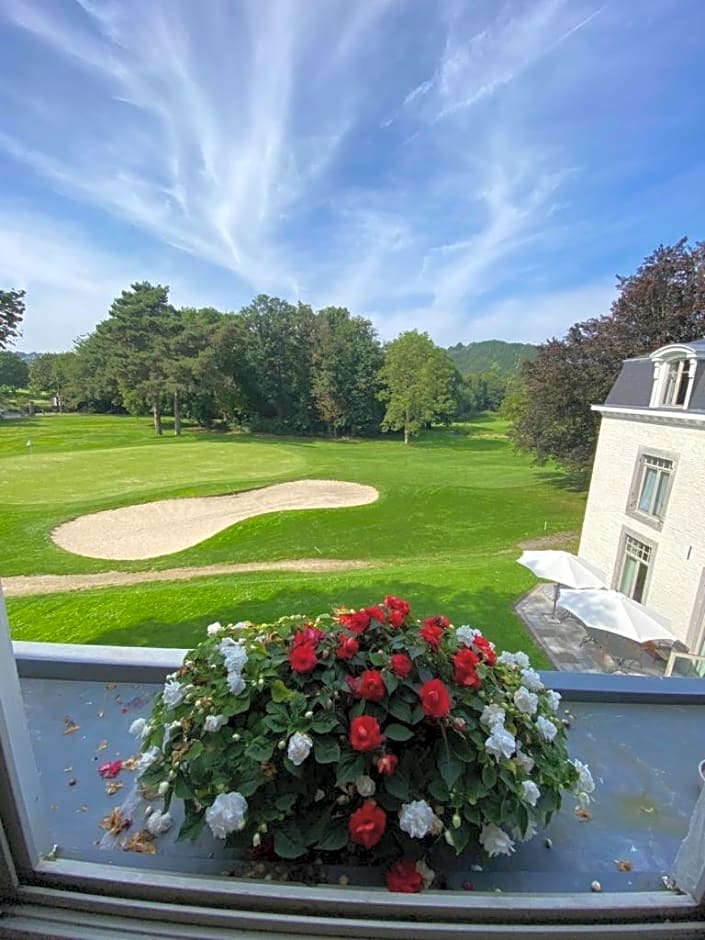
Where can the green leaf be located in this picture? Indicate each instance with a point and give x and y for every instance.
(237, 704)
(286, 801)
(275, 723)
(397, 732)
(398, 785)
(378, 659)
(280, 693)
(400, 710)
(260, 749)
(249, 785)
(287, 847)
(350, 767)
(450, 768)
(326, 750)
(461, 837)
(336, 838)
(438, 790)
(391, 682)
(191, 828)
(325, 721)
(417, 714)
(489, 775)
(182, 790)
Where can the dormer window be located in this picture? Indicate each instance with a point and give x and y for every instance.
(677, 382)
(674, 374)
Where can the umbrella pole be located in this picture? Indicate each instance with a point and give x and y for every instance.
(556, 595)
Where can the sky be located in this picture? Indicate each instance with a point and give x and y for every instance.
(479, 169)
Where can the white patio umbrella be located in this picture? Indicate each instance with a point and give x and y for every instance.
(612, 612)
(563, 568)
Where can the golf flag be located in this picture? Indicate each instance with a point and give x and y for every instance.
(29, 443)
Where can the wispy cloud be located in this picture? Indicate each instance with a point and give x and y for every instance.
(425, 163)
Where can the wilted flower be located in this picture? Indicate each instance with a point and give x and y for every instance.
(495, 841)
(365, 785)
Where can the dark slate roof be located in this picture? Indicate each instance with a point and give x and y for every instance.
(634, 383)
(633, 386)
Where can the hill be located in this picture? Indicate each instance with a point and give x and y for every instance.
(479, 357)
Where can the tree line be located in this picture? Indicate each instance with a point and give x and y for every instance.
(273, 366)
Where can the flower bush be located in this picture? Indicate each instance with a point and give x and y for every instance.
(365, 736)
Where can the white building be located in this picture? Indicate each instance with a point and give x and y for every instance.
(645, 516)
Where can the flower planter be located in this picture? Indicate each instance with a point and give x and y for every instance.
(366, 737)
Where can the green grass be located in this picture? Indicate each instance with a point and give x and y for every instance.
(453, 507)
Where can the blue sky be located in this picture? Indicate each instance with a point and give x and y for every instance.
(474, 168)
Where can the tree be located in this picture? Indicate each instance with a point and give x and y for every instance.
(418, 379)
(12, 309)
(55, 374)
(14, 371)
(662, 302)
(346, 360)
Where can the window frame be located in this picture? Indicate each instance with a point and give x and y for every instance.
(637, 484)
(665, 363)
(40, 893)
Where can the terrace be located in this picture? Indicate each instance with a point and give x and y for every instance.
(63, 876)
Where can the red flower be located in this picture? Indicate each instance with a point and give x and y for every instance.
(486, 651)
(466, 674)
(376, 613)
(303, 658)
(367, 824)
(435, 700)
(365, 733)
(357, 622)
(396, 618)
(438, 621)
(347, 647)
(401, 665)
(432, 634)
(371, 686)
(110, 769)
(353, 684)
(402, 876)
(388, 764)
(310, 635)
(395, 603)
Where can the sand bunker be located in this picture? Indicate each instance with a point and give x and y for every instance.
(171, 525)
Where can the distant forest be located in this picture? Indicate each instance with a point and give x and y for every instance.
(495, 354)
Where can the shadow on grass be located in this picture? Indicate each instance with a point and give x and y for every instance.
(487, 609)
(572, 481)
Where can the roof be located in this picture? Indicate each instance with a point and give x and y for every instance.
(635, 382)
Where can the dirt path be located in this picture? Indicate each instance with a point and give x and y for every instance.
(26, 586)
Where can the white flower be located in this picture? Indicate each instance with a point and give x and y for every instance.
(227, 814)
(500, 743)
(240, 625)
(527, 702)
(495, 841)
(514, 659)
(466, 635)
(554, 700)
(214, 628)
(365, 785)
(157, 823)
(546, 728)
(299, 748)
(492, 715)
(525, 762)
(214, 722)
(147, 759)
(235, 682)
(416, 819)
(585, 785)
(234, 654)
(138, 726)
(532, 680)
(163, 787)
(173, 693)
(529, 833)
(530, 793)
(428, 874)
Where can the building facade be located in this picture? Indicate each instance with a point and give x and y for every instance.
(645, 515)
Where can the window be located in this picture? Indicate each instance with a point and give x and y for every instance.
(654, 485)
(635, 568)
(676, 383)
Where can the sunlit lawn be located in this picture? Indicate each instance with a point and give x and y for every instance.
(453, 507)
